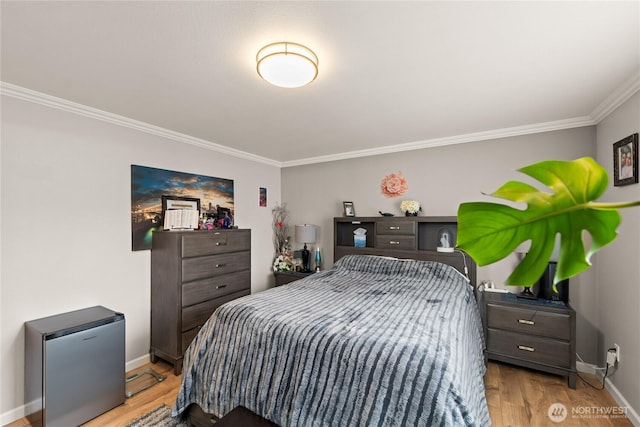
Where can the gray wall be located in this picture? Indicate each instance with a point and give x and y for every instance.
(617, 294)
(65, 225)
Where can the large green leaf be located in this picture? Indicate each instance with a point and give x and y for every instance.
(489, 232)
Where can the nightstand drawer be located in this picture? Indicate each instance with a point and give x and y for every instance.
(529, 321)
(528, 347)
(284, 277)
(396, 242)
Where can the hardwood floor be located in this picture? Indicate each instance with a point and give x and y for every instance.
(517, 398)
(521, 398)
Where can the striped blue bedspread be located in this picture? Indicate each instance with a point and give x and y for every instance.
(371, 342)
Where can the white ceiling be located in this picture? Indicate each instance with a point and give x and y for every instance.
(393, 75)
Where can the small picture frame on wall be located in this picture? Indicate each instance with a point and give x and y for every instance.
(263, 197)
(625, 161)
(349, 210)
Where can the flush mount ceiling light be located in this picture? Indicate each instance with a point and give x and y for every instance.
(287, 64)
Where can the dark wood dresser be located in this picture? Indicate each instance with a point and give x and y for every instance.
(536, 334)
(192, 274)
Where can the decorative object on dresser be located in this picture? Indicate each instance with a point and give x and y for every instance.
(318, 259)
(410, 207)
(192, 274)
(401, 237)
(535, 334)
(306, 233)
(180, 212)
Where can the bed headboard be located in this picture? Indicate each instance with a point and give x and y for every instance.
(403, 237)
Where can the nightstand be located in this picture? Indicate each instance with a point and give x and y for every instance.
(536, 334)
(283, 277)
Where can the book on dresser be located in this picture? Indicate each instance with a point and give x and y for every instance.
(192, 274)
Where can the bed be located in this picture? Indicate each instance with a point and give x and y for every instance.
(373, 341)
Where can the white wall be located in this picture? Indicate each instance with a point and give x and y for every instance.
(618, 270)
(65, 225)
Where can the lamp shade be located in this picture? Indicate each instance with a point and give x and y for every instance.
(306, 233)
(287, 64)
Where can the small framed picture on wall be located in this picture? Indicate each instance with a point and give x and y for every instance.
(349, 210)
(263, 197)
(625, 161)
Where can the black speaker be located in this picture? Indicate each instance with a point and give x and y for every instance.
(545, 285)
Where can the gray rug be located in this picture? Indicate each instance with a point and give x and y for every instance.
(159, 417)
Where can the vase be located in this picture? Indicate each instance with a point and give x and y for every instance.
(411, 214)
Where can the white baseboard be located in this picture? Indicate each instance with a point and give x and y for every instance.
(136, 363)
(622, 402)
(22, 411)
(13, 415)
(589, 368)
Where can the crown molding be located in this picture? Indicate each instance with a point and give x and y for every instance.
(450, 140)
(29, 95)
(617, 98)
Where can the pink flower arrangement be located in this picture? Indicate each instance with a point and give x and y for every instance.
(394, 185)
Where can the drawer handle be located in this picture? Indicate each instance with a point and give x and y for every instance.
(525, 348)
(394, 242)
(221, 243)
(526, 322)
(220, 265)
(394, 228)
(221, 286)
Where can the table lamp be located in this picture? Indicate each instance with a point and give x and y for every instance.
(305, 234)
(521, 252)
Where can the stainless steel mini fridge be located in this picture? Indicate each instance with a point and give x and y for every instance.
(74, 366)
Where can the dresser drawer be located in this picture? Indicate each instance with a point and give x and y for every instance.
(529, 321)
(195, 315)
(214, 287)
(214, 265)
(396, 228)
(188, 336)
(396, 242)
(207, 243)
(530, 348)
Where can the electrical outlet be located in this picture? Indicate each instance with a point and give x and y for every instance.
(617, 352)
(611, 357)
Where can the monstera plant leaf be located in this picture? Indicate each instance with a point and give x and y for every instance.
(489, 232)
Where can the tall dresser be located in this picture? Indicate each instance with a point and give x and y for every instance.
(192, 274)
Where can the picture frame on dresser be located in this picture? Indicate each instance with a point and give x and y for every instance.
(348, 209)
(177, 202)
